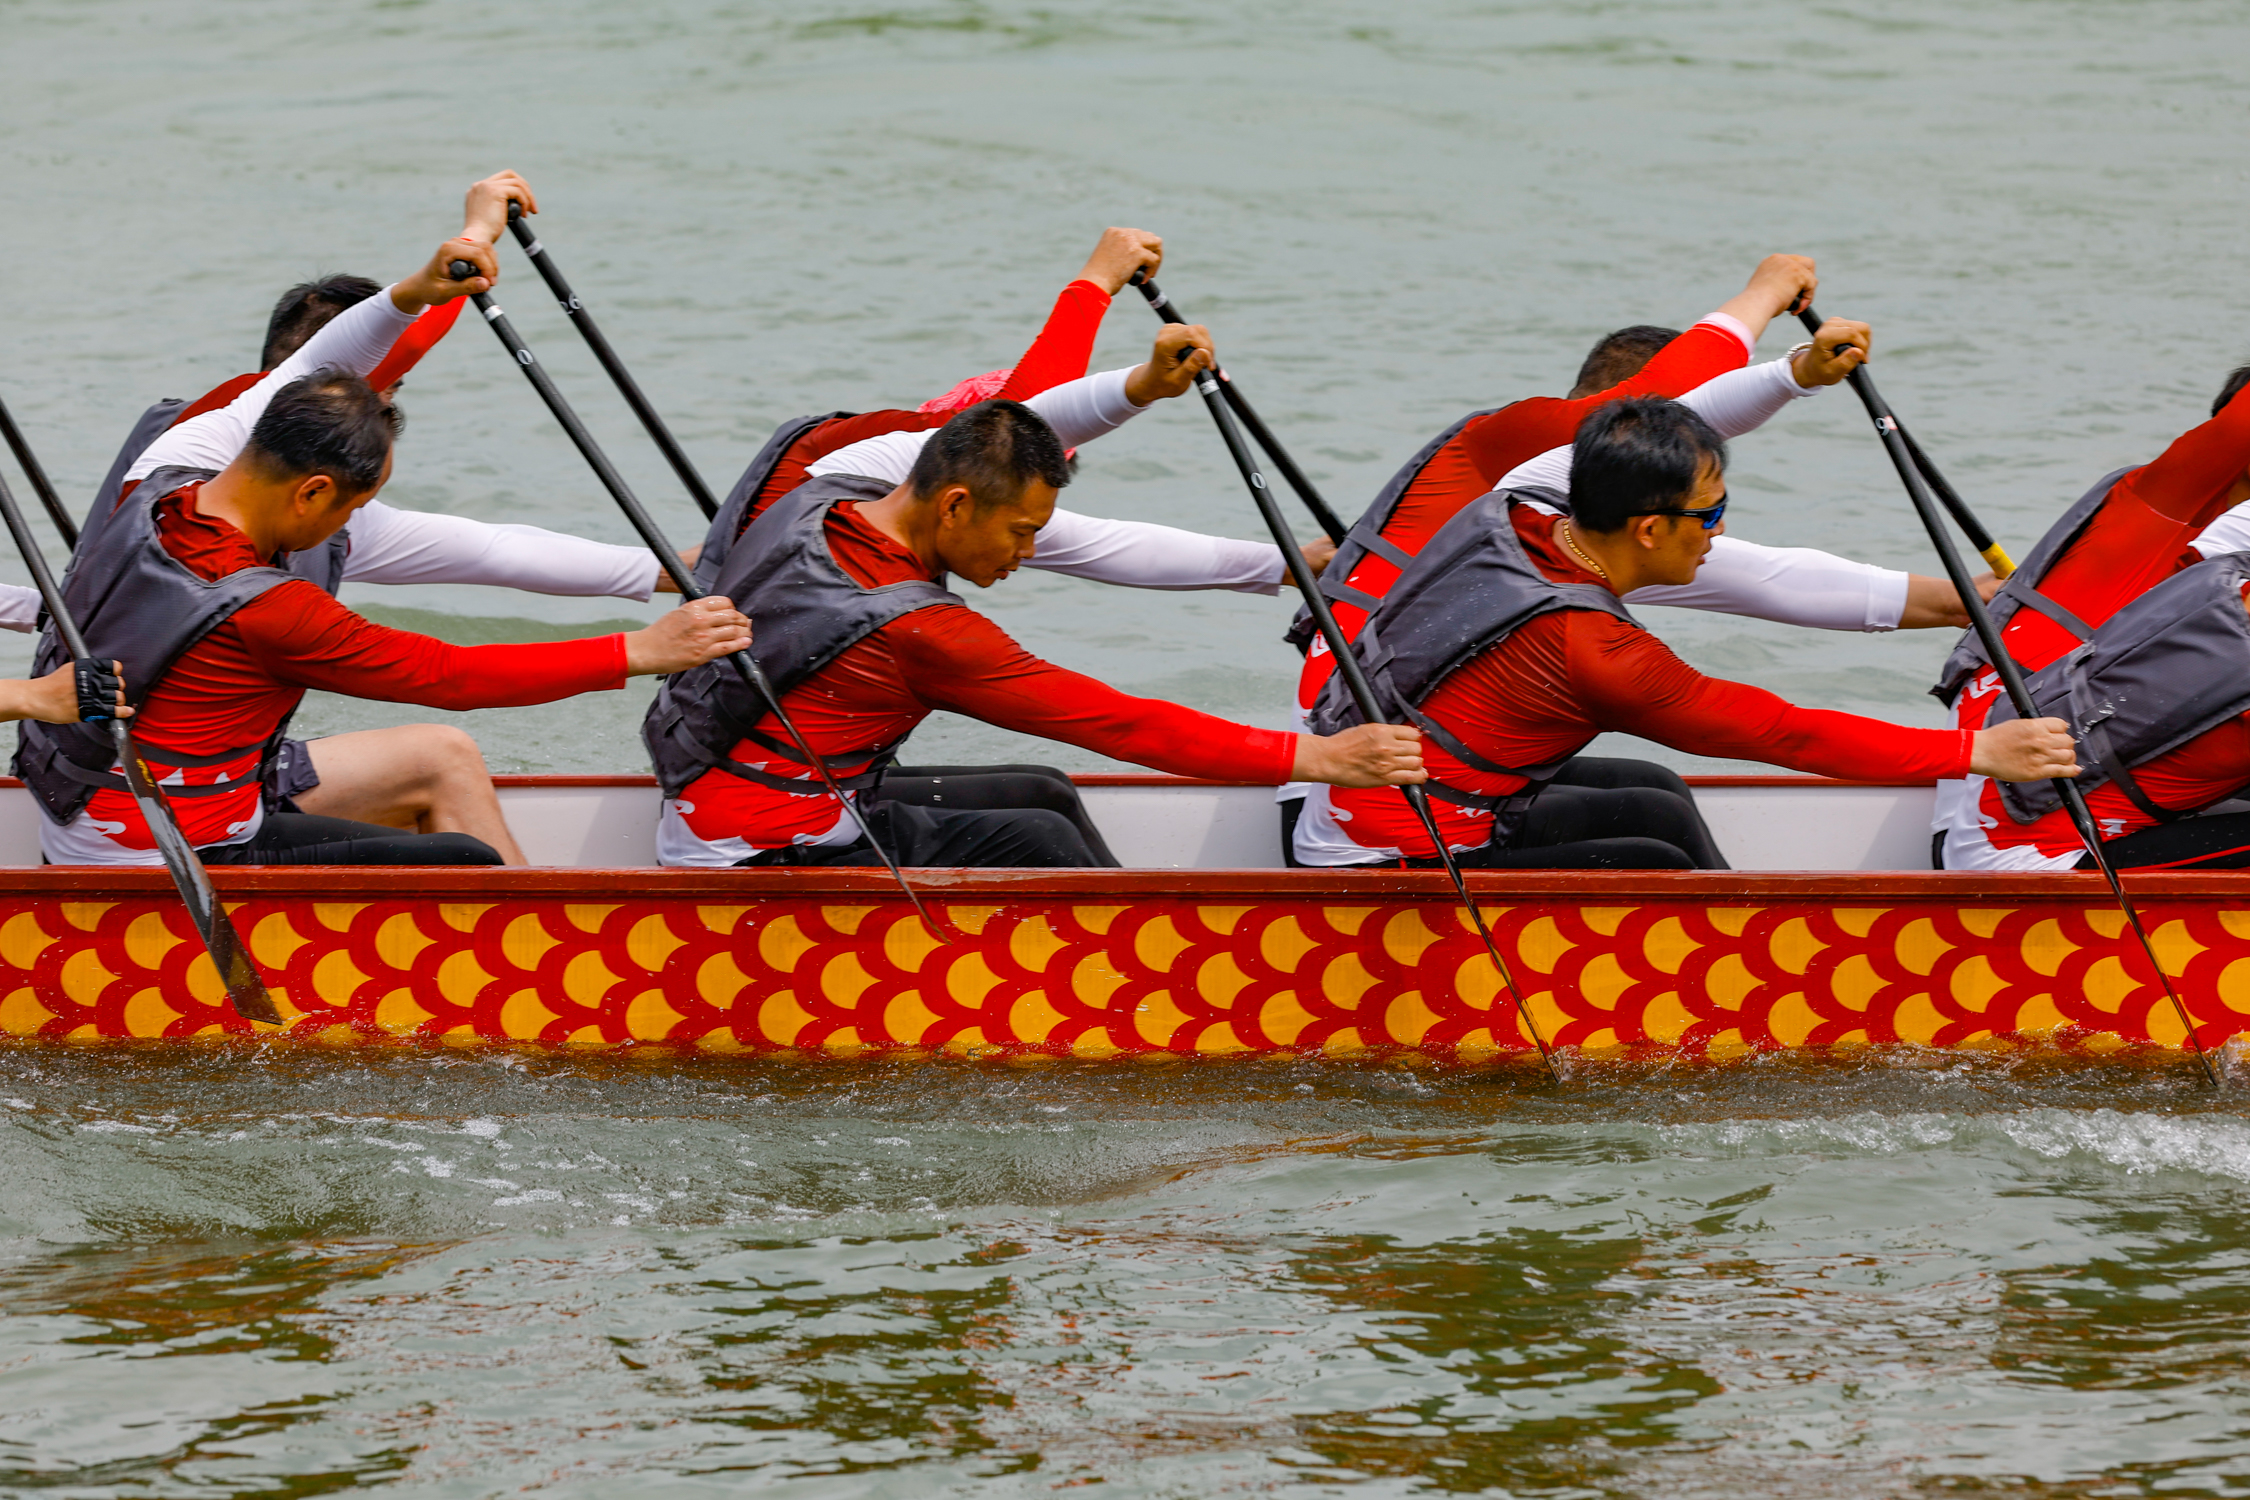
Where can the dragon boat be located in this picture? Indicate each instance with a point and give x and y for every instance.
(1831, 933)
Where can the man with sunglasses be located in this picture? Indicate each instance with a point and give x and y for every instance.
(1506, 642)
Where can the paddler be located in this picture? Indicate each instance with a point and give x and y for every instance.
(2173, 741)
(1135, 554)
(213, 583)
(1706, 367)
(856, 630)
(1506, 640)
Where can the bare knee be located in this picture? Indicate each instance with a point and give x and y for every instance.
(450, 754)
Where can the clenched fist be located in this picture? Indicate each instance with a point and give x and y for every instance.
(1120, 253)
(1839, 348)
(2024, 750)
(698, 631)
(1182, 352)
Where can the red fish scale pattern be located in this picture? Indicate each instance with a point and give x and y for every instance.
(1142, 975)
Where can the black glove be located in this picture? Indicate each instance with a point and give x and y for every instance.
(98, 687)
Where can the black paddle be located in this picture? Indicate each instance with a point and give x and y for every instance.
(627, 387)
(1322, 511)
(220, 940)
(39, 482)
(744, 664)
(2011, 675)
(1979, 538)
(1356, 680)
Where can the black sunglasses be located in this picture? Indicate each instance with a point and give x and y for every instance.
(1709, 516)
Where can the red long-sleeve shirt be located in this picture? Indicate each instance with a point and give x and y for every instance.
(230, 691)
(2140, 535)
(1544, 692)
(1060, 353)
(1483, 453)
(950, 657)
(2138, 538)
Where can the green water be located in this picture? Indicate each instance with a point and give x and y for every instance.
(481, 1275)
(243, 1274)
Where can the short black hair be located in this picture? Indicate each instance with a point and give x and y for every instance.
(328, 422)
(2237, 378)
(1619, 357)
(1636, 456)
(304, 308)
(996, 448)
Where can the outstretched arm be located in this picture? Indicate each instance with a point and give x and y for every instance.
(389, 545)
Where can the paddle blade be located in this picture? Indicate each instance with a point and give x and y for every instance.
(240, 976)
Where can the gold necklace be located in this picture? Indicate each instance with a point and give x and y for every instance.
(1570, 540)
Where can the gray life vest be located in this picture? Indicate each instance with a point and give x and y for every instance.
(1366, 538)
(805, 610)
(138, 605)
(153, 424)
(2167, 667)
(324, 565)
(734, 515)
(1470, 589)
(2021, 591)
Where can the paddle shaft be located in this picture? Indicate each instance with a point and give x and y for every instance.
(1355, 679)
(2011, 678)
(236, 972)
(40, 484)
(627, 387)
(1322, 511)
(1879, 409)
(744, 664)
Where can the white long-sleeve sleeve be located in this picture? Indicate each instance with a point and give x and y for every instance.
(1791, 585)
(1135, 554)
(1140, 555)
(2229, 533)
(1742, 401)
(356, 340)
(1078, 410)
(19, 608)
(1735, 403)
(389, 545)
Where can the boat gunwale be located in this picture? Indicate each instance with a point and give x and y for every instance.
(534, 781)
(1697, 887)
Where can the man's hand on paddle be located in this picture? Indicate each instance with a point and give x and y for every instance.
(484, 219)
(688, 556)
(434, 283)
(1838, 349)
(1931, 603)
(2024, 750)
(698, 631)
(1365, 755)
(1319, 553)
(59, 696)
(1780, 283)
(485, 212)
(1183, 351)
(1119, 254)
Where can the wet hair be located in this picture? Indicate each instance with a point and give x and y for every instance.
(1619, 357)
(305, 308)
(998, 449)
(1636, 456)
(2237, 378)
(328, 423)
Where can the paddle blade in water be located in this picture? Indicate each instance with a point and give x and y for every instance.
(240, 976)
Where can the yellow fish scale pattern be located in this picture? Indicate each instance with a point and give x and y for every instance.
(1147, 975)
